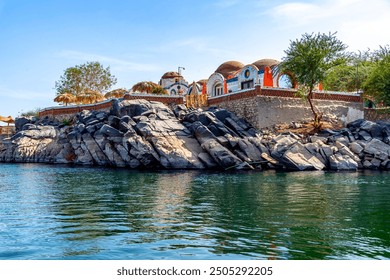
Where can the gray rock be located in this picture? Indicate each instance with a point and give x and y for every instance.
(270, 159)
(21, 121)
(113, 156)
(356, 147)
(376, 163)
(131, 108)
(178, 152)
(315, 138)
(149, 112)
(221, 114)
(224, 141)
(386, 133)
(202, 133)
(101, 116)
(313, 148)
(296, 161)
(114, 121)
(355, 124)
(40, 132)
(385, 163)
(342, 162)
(282, 144)
(29, 126)
(94, 149)
(92, 122)
(110, 131)
(207, 160)
(222, 156)
(180, 110)
(125, 127)
(376, 146)
(326, 151)
(128, 120)
(372, 128)
(367, 164)
(364, 135)
(249, 150)
(141, 150)
(299, 158)
(85, 116)
(259, 145)
(66, 154)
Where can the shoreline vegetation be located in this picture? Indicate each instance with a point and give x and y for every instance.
(139, 134)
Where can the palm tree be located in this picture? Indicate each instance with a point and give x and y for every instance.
(65, 98)
(147, 87)
(116, 93)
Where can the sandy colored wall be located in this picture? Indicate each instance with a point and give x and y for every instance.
(378, 114)
(265, 111)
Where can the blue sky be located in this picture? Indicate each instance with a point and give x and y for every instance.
(141, 40)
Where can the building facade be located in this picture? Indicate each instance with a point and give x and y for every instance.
(174, 83)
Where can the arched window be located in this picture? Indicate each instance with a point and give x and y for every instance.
(285, 81)
(218, 89)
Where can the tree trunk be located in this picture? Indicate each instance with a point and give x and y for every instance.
(317, 117)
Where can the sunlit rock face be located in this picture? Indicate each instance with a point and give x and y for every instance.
(143, 134)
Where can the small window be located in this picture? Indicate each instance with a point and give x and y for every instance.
(246, 85)
(218, 90)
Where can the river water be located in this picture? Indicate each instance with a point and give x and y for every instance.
(64, 212)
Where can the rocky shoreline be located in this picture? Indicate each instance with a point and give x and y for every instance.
(143, 134)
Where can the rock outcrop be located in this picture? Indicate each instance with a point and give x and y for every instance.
(143, 134)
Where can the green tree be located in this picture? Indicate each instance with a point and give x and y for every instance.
(89, 76)
(377, 83)
(350, 75)
(309, 59)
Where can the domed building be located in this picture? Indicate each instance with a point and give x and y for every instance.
(229, 68)
(174, 83)
(216, 84)
(262, 63)
(232, 76)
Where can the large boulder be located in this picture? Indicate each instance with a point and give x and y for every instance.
(221, 155)
(21, 121)
(342, 162)
(297, 157)
(373, 128)
(376, 146)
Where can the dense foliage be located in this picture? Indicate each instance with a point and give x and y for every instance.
(89, 76)
(367, 71)
(350, 75)
(377, 83)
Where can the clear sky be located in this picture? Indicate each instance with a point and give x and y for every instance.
(143, 39)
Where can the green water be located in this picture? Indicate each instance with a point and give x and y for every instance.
(62, 212)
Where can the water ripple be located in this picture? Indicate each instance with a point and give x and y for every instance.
(57, 212)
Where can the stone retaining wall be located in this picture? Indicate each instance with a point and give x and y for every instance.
(266, 107)
(377, 114)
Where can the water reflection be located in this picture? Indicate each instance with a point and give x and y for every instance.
(120, 214)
